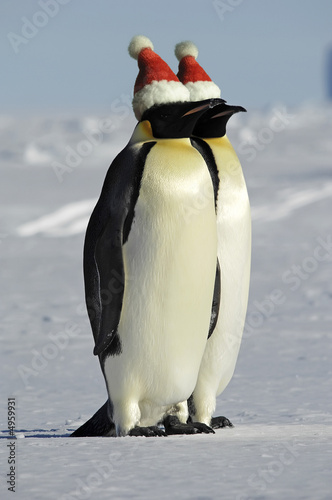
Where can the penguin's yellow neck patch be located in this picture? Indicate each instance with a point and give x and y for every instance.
(219, 141)
(142, 133)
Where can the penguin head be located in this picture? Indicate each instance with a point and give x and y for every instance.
(176, 120)
(213, 122)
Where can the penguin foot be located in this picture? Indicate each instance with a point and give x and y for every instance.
(203, 428)
(151, 431)
(174, 426)
(219, 422)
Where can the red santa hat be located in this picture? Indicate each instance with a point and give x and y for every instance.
(155, 83)
(192, 75)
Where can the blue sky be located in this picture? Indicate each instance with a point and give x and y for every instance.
(260, 52)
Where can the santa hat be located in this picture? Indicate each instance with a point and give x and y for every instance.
(155, 83)
(192, 75)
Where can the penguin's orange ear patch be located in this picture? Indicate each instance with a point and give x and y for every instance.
(147, 128)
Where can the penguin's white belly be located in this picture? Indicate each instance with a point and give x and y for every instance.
(170, 264)
(234, 252)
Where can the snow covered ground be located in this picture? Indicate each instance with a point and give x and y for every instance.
(279, 399)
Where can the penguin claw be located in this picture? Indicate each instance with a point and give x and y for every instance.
(219, 422)
(151, 431)
(174, 426)
(202, 428)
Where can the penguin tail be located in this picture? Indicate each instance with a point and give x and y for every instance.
(98, 425)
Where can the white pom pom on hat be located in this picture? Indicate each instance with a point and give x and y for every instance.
(138, 43)
(184, 49)
(156, 83)
(192, 75)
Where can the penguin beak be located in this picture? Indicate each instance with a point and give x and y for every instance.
(202, 106)
(223, 113)
(231, 111)
(197, 109)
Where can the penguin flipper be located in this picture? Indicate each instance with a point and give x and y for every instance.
(103, 235)
(98, 425)
(215, 301)
(109, 261)
(107, 231)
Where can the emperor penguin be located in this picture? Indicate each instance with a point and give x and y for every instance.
(233, 239)
(149, 269)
